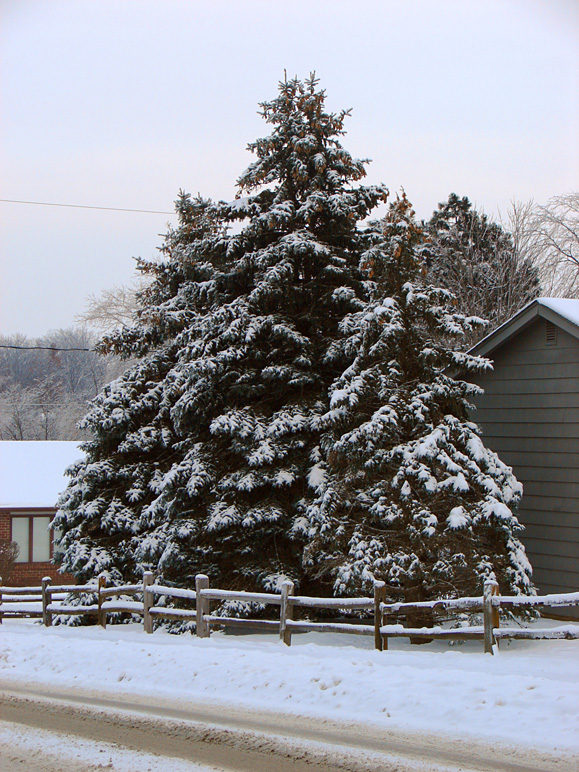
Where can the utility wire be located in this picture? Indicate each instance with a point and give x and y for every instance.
(83, 206)
(51, 404)
(42, 348)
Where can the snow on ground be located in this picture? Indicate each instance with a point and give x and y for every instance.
(527, 695)
(47, 747)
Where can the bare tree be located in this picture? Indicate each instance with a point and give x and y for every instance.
(47, 383)
(549, 236)
(9, 551)
(113, 308)
(40, 412)
(79, 368)
(17, 413)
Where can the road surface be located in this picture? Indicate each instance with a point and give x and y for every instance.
(240, 740)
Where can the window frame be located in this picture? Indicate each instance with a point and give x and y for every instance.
(30, 515)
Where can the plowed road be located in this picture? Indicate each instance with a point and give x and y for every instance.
(244, 740)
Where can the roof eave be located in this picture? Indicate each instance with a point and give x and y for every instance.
(518, 322)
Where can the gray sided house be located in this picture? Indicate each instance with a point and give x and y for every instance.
(529, 414)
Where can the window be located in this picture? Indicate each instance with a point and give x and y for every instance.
(32, 534)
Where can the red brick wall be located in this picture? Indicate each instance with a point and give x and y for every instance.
(32, 574)
(4, 526)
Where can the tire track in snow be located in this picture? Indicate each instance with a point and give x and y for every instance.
(252, 741)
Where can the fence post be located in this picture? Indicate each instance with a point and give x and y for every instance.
(379, 597)
(286, 612)
(46, 614)
(490, 588)
(202, 606)
(496, 614)
(148, 601)
(102, 614)
(1, 614)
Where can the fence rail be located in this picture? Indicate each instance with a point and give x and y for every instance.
(103, 600)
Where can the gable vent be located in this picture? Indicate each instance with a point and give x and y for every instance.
(550, 334)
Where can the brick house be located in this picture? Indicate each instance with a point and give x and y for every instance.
(31, 477)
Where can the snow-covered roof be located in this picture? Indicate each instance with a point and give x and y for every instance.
(563, 312)
(32, 473)
(568, 308)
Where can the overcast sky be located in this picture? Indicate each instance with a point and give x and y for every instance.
(119, 103)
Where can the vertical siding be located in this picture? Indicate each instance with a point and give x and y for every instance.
(529, 415)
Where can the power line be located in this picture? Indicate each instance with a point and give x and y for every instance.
(42, 348)
(50, 404)
(83, 206)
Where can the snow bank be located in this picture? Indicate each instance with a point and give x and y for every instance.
(527, 695)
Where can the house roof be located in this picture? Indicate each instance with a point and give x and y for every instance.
(564, 312)
(32, 473)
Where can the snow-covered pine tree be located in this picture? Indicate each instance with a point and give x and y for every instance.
(410, 495)
(205, 454)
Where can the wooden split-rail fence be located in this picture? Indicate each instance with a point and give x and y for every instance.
(15, 602)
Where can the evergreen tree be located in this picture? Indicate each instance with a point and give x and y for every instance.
(477, 261)
(204, 455)
(408, 492)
